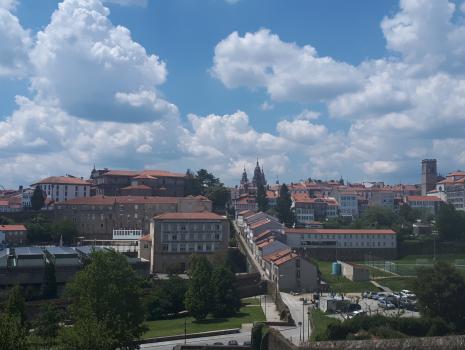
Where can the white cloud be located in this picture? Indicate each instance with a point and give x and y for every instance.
(89, 67)
(380, 167)
(287, 71)
(266, 106)
(308, 115)
(15, 42)
(301, 131)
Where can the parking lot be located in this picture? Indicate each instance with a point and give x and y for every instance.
(369, 306)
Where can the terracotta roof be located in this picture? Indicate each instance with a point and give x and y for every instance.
(259, 223)
(106, 200)
(137, 187)
(277, 255)
(13, 228)
(262, 235)
(246, 213)
(62, 180)
(266, 242)
(423, 199)
(121, 173)
(146, 238)
(457, 173)
(330, 231)
(145, 176)
(142, 173)
(288, 257)
(204, 215)
(271, 194)
(4, 203)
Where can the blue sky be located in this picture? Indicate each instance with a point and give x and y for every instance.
(322, 89)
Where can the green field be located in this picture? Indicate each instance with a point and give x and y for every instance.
(397, 283)
(341, 284)
(247, 314)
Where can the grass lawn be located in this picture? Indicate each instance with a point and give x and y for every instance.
(397, 283)
(247, 314)
(251, 301)
(341, 284)
(320, 322)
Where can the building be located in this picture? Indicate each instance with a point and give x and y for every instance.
(245, 202)
(64, 188)
(292, 272)
(13, 234)
(145, 247)
(348, 202)
(145, 182)
(308, 209)
(177, 236)
(29, 257)
(354, 272)
(97, 217)
(429, 175)
(353, 244)
(63, 256)
(430, 204)
(382, 198)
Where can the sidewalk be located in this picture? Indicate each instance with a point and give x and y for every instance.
(269, 309)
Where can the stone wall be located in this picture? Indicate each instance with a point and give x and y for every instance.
(284, 312)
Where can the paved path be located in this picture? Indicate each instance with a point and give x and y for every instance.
(295, 307)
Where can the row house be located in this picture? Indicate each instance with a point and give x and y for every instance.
(64, 188)
(245, 202)
(308, 209)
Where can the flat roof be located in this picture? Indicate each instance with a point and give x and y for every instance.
(88, 249)
(61, 251)
(25, 251)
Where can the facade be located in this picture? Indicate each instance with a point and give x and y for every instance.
(382, 198)
(97, 217)
(245, 202)
(308, 209)
(429, 175)
(292, 272)
(354, 272)
(348, 202)
(430, 204)
(64, 188)
(146, 183)
(177, 236)
(329, 244)
(13, 234)
(145, 247)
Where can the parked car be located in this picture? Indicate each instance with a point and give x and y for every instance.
(373, 295)
(356, 313)
(386, 305)
(366, 294)
(233, 342)
(218, 343)
(354, 307)
(247, 343)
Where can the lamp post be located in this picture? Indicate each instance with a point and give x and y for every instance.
(304, 302)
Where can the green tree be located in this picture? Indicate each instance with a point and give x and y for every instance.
(450, 223)
(6, 221)
(283, 206)
(16, 304)
(49, 284)
(262, 200)
(88, 333)
(441, 293)
(39, 229)
(226, 301)
(166, 298)
(108, 292)
(219, 195)
(64, 229)
(192, 185)
(206, 179)
(37, 199)
(47, 324)
(378, 217)
(199, 291)
(13, 334)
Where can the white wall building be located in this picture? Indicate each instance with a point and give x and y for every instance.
(62, 188)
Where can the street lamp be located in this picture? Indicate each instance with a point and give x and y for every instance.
(304, 302)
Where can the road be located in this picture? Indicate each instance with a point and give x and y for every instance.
(169, 345)
(295, 307)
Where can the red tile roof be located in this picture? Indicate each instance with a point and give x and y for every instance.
(277, 255)
(137, 187)
(62, 180)
(246, 213)
(146, 238)
(106, 200)
(204, 215)
(142, 173)
(13, 228)
(423, 199)
(4, 203)
(330, 231)
(285, 258)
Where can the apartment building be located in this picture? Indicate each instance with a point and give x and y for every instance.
(430, 204)
(13, 234)
(348, 202)
(64, 188)
(308, 209)
(177, 236)
(345, 244)
(99, 216)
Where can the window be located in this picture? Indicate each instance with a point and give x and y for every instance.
(217, 236)
(174, 237)
(164, 247)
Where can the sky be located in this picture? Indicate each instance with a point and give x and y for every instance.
(362, 90)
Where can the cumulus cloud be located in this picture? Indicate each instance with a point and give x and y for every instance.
(15, 42)
(287, 71)
(94, 70)
(141, 3)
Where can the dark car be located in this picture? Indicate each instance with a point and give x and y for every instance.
(354, 307)
(233, 342)
(218, 343)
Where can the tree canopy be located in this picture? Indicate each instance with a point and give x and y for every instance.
(262, 200)
(38, 198)
(441, 293)
(226, 301)
(208, 185)
(108, 294)
(199, 292)
(283, 206)
(450, 223)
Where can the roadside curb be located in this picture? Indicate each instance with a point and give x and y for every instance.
(189, 336)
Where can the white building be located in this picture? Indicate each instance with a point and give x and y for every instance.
(430, 204)
(62, 188)
(348, 202)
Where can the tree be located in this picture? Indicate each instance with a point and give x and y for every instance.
(206, 179)
(48, 323)
(64, 229)
(199, 291)
(262, 200)
(108, 293)
(283, 206)
(378, 217)
(16, 304)
(13, 334)
(166, 298)
(226, 301)
(192, 185)
(450, 223)
(219, 195)
(49, 285)
(39, 229)
(6, 221)
(38, 198)
(441, 293)
(88, 333)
